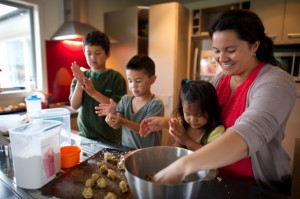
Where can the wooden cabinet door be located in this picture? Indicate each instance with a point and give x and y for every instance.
(272, 16)
(291, 27)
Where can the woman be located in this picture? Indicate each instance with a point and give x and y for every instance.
(256, 98)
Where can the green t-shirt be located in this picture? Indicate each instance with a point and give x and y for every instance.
(111, 84)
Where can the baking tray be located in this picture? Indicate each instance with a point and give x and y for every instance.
(70, 185)
(13, 111)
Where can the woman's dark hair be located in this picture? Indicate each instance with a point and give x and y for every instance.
(97, 38)
(249, 28)
(142, 62)
(204, 94)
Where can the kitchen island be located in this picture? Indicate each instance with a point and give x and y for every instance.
(217, 188)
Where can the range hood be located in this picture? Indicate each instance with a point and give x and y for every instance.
(75, 26)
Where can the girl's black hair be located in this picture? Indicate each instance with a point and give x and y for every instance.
(249, 28)
(97, 38)
(204, 94)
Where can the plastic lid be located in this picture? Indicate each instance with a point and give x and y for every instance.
(50, 112)
(33, 97)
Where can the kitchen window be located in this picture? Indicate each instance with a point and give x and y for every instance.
(17, 50)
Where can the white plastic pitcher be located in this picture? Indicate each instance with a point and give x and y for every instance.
(33, 103)
(35, 151)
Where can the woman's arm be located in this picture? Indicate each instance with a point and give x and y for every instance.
(228, 148)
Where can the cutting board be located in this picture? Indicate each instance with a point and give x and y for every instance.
(71, 184)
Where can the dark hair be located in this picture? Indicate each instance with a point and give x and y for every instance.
(203, 93)
(97, 38)
(249, 28)
(142, 62)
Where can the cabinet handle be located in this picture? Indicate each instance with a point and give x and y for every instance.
(273, 37)
(294, 35)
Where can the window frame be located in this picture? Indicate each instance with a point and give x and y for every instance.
(17, 96)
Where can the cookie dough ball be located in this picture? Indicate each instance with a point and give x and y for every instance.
(100, 164)
(22, 105)
(95, 176)
(89, 183)
(102, 183)
(103, 169)
(111, 174)
(123, 186)
(87, 192)
(121, 165)
(110, 195)
(108, 157)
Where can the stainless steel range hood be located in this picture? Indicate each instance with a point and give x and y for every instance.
(75, 26)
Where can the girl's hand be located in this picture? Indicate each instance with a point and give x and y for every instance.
(178, 132)
(104, 109)
(113, 120)
(149, 125)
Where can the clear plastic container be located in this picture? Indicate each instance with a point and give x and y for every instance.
(35, 149)
(59, 114)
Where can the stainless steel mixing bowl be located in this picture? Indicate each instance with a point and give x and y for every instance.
(142, 163)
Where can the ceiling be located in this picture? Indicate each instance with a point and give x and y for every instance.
(151, 2)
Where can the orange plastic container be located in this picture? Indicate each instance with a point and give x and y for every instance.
(69, 156)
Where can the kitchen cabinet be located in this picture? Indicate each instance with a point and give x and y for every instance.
(129, 29)
(280, 18)
(160, 31)
(202, 18)
(168, 47)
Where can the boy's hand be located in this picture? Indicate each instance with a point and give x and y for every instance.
(88, 86)
(149, 125)
(77, 73)
(113, 121)
(104, 109)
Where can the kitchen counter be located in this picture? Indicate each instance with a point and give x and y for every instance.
(88, 148)
(224, 188)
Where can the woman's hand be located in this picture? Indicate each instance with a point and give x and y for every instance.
(104, 109)
(170, 175)
(151, 124)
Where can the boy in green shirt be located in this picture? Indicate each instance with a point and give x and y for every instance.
(94, 86)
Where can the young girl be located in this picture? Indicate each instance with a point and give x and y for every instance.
(196, 121)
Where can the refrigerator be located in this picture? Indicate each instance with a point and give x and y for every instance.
(203, 64)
